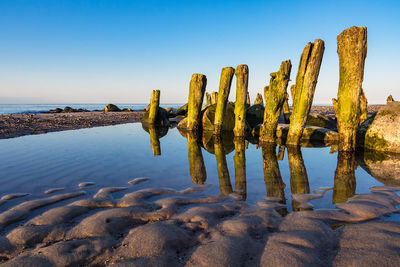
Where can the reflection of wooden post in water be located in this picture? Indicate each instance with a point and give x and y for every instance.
(240, 166)
(272, 175)
(154, 141)
(345, 178)
(222, 167)
(298, 174)
(196, 162)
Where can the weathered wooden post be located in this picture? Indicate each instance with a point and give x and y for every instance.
(363, 107)
(352, 50)
(239, 160)
(154, 104)
(225, 185)
(306, 81)
(298, 174)
(272, 175)
(285, 109)
(345, 178)
(248, 99)
(214, 97)
(223, 94)
(197, 168)
(197, 88)
(389, 99)
(242, 79)
(274, 96)
(259, 100)
(208, 98)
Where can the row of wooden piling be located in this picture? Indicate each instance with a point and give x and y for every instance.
(350, 105)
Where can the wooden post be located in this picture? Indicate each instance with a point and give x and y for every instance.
(197, 168)
(298, 174)
(225, 185)
(239, 160)
(363, 107)
(197, 88)
(274, 96)
(208, 98)
(223, 94)
(272, 175)
(154, 104)
(242, 79)
(285, 109)
(214, 97)
(248, 99)
(389, 99)
(259, 100)
(306, 81)
(345, 178)
(352, 50)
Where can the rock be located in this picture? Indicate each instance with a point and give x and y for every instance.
(209, 115)
(56, 110)
(69, 109)
(255, 114)
(381, 132)
(161, 117)
(315, 119)
(111, 108)
(127, 109)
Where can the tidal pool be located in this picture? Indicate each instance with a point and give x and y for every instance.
(114, 155)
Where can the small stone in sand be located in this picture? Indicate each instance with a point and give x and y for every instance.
(85, 184)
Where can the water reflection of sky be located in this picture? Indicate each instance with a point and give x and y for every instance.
(112, 156)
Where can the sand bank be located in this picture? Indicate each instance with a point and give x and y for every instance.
(164, 227)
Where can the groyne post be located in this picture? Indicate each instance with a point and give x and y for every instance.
(274, 96)
(223, 94)
(352, 51)
(285, 109)
(363, 107)
(214, 97)
(208, 98)
(154, 104)
(197, 88)
(242, 79)
(259, 100)
(303, 91)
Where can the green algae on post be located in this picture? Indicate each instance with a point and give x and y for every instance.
(363, 107)
(223, 94)
(154, 104)
(352, 51)
(274, 95)
(303, 91)
(197, 88)
(242, 79)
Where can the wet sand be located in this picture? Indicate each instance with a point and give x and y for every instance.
(164, 227)
(28, 124)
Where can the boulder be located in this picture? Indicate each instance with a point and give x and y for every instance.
(69, 109)
(316, 119)
(382, 131)
(111, 108)
(255, 115)
(209, 115)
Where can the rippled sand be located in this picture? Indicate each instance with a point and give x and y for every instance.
(164, 227)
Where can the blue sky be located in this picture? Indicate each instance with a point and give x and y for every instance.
(118, 51)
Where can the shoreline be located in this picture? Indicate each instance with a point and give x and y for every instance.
(16, 125)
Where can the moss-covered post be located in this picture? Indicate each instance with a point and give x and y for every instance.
(345, 178)
(197, 88)
(242, 79)
(389, 99)
(259, 100)
(239, 160)
(248, 99)
(272, 175)
(352, 50)
(223, 94)
(214, 97)
(298, 174)
(363, 107)
(154, 140)
(306, 81)
(154, 104)
(225, 185)
(197, 168)
(274, 96)
(285, 109)
(208, 98)
(293, 92)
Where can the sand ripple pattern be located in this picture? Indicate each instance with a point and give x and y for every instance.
(165, 227)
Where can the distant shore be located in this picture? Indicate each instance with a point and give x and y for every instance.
(28, 124)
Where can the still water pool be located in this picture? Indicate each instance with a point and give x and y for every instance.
(113, 155)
